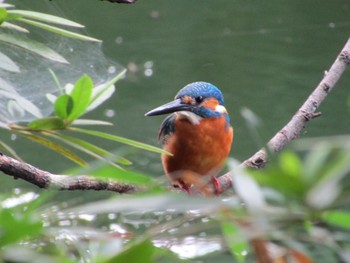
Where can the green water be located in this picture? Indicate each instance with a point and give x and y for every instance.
(264, 55)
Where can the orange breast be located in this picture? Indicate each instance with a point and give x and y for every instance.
(198, 150)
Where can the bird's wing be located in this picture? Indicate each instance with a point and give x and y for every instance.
(166, 128)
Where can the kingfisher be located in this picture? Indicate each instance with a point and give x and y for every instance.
(198, 134)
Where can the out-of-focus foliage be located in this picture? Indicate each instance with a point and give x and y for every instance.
(296, 209)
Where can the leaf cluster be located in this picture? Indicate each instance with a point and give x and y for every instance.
(69, 106)
(73, 101)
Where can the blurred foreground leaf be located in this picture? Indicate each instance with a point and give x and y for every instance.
(140, 252)
(339, 218)
(17, 227)
(18, 221)
(123, 176)
(236, 243)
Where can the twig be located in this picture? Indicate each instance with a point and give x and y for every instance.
(44, 179)
(305, 113)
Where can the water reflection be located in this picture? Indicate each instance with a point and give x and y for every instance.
(191, 246)
(19, 199)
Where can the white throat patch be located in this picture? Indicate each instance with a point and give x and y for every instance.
(193, 118)
(221, 109)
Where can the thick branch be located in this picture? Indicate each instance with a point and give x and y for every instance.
(45, 179)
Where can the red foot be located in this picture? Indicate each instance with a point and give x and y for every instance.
(217, 186)
(185, 187)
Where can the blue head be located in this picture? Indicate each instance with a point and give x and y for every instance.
(200, 91)
(200, 98)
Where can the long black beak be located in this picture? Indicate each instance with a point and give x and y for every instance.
(170, 107)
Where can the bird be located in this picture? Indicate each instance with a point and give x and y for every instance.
(197, 134)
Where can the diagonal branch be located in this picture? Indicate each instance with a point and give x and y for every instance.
(306, 112)
(289, 132)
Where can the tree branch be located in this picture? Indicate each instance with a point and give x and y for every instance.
(289, 132)
(306, 112)
(44, 179)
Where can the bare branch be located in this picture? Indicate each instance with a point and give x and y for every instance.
(306, 112)
(44, 179)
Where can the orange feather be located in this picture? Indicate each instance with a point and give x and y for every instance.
(198, 150)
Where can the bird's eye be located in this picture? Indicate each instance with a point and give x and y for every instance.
(199, 99)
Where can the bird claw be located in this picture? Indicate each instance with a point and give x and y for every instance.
(217, 186)
(185, 187)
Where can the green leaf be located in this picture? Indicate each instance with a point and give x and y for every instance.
(104, 92)
(58, 30)
(81, 96)
(49, 123)
(63, 106)
(56, 147)
(32, 46)
(290, 163)
(272, 177)
(8, 64)
(12, 16)
(15, 227)
(22, 221)
(45, 18)
(121, 140)
(235, 242)
(140, 252)
(338, 218)
(3, 15)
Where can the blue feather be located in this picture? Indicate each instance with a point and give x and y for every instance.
(204, 90)
(166, 128)
(200, 88)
